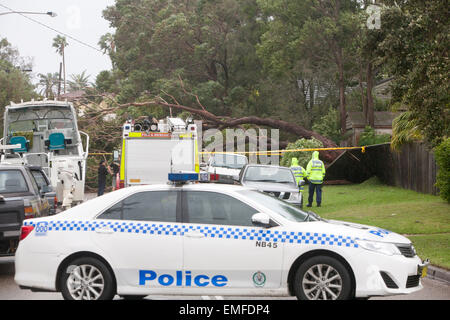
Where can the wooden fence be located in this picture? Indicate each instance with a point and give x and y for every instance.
(413, 167)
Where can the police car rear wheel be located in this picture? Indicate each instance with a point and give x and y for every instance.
(87, 279)
(322, 278)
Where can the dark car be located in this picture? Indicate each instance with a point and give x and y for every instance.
(20, 198)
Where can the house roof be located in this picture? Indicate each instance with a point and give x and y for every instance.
(73, 95)
(383, 119)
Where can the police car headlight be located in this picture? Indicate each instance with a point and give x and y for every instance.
(386, 248)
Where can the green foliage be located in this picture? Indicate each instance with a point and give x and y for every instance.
(442, 154)
(78, 82)
(104, 82)
(14, 83)
(48, 84)
(369, 137)
(328, 125)
(415, 52)
(203, 47)
(302, 156)
(405, 129)
(59, 42)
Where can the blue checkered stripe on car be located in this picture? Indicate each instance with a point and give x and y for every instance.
(242, 233)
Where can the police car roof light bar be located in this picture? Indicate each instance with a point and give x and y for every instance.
(183, 177)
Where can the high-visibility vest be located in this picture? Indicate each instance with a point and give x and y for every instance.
(299, 174)
(316, 171)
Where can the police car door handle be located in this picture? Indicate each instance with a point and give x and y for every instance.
(194, 234)
(104, 230)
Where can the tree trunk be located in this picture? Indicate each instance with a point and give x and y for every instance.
(363, 97)
(342, 106)
(370, 110)
(64, 67)
(59, 80)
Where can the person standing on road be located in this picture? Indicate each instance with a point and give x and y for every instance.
(115, 171)
(102, 173)
(315, 172)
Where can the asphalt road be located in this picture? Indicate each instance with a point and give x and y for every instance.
(9, 290)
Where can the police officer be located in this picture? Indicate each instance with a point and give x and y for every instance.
(299, 173)
(298, 170)
(315, 171)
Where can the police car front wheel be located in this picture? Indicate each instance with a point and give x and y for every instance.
(322, 278)
(87, 279)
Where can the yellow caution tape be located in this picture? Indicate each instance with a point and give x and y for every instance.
(280, 152)
(272, 152)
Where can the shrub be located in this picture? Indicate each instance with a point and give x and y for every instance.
(370, 137)
(442, 154)
(328, 126)
(302, 156)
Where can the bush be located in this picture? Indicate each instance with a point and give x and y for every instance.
(328, 126)
(442, 154)
(302, 156)
(370, 137)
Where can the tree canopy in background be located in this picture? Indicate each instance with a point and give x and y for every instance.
(415, 52)
(15, 84)
(283, 60)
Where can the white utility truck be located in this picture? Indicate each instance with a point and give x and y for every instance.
(226, 166)
(47, 135)
(151, 149)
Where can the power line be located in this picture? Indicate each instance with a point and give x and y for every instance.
(48, 27)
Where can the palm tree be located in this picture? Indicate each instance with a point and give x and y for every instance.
(108, 45)
(48, 82)
(60, 43)
(79, 81)
(405, 129)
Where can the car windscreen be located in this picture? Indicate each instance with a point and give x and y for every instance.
(12, 181)
(283, 208)
(39, 178)
(229, 161)
(269, 174)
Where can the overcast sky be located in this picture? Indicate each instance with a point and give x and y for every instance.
(81, 19)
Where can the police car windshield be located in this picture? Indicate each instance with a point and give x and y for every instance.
(283, 208)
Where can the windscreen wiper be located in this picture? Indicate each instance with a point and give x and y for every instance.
(314, 215)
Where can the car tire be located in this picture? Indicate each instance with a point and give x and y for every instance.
(87, 279)
(322, 278)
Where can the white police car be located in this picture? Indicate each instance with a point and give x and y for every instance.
(207, 239)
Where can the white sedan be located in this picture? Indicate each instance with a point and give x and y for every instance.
(207, 239)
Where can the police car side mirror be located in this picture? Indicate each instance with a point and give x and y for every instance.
(261, 220)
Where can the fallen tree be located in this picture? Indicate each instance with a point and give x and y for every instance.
(212, 120)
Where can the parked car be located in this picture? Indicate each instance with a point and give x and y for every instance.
(45, 187)
(20, 199)
(275, 180)
(226, 166)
